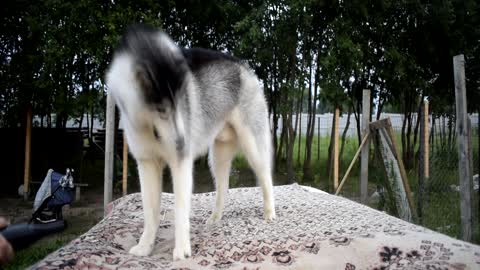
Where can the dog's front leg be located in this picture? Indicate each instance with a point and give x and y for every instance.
(182, 187)
(150, 172)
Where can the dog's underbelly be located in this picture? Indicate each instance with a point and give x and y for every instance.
(143, 145)
(226, 134)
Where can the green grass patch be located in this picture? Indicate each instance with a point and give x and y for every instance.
(76, 226)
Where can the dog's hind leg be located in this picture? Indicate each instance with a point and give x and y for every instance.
(257, 149)
(220, 160)
(150, 172)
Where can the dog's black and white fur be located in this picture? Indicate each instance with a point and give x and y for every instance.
(177, 104)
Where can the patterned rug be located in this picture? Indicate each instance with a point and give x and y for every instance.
(313, 230)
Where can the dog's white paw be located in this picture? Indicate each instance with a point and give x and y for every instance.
(214, 218)
(269, 214)
(141, 250)
(182, 252)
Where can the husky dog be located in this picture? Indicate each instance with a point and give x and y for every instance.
(176, 104)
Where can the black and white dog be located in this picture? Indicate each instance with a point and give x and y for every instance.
(176, 104)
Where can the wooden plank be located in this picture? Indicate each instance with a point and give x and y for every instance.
(355, 157)
(403, 172)
(125, 165)
(398, 201)
(109, 140)
(335, 148)
(28, 148)
(464, 167)
(366, 149)
(384, 132)
(382, 123)
(423, 169)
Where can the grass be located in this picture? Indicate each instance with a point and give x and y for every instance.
(37, 251)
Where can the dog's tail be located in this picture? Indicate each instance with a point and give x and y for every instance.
(159, 64)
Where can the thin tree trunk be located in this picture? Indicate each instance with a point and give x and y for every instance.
(300, 129)
(330, 155)
(88, 126)
(282, 139)
(404, 143)
(356, 114)
(290, 143)
(49, 120)
(417, 126)
(80, 123)
(444, 133)
(318, 139)
(409, 156)
(344, 135)
(92, 119)
(311, 126)
(432, 134)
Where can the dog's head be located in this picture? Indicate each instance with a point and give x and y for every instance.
(148, 78)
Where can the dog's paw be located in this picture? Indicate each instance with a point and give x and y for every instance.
(269, 214)
(141, 250)
(214, 218)
(180, 253)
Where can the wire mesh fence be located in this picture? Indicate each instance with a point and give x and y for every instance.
(441, 207)
(437, 201)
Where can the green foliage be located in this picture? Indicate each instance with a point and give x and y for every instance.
(54, 53)
(310, 55)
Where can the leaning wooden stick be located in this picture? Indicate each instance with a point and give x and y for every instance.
(365, 139)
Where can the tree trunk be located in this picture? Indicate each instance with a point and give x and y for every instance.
(80, 123)
(330, 155)
(290, 143)
(300, 130)
(409, 153)
(443, 132)
(403, 139)
(49, 120)
(356, 114)
(451, 131)
(344, 135)
(307, 174)
(417, 125)
(282, 140)
(432, 134)
(92, 119)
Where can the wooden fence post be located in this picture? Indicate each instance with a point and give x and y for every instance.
(335, 148)
(28, 148)
(424, 168)
(125, 165)
(366, 148)
(109, 141)
(464, 166)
